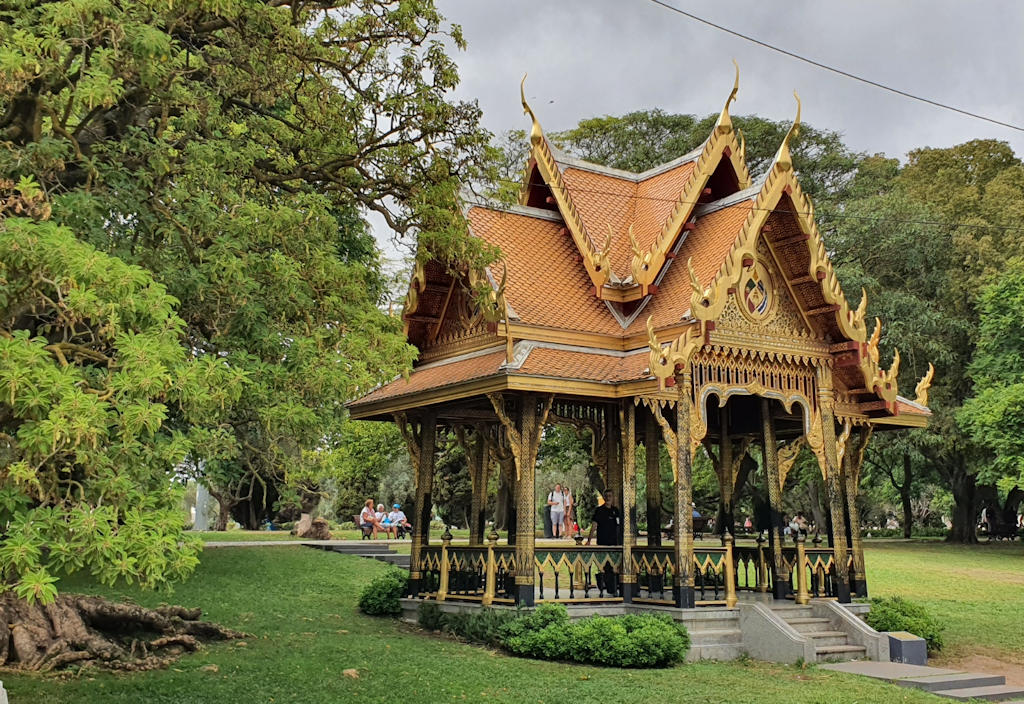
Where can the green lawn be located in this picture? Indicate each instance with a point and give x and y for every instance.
(299, 606)
(977, 590)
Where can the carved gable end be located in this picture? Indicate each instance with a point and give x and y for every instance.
(761, 315)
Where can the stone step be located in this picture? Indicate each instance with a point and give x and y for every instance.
(808, 625)
(705, 637)
(824, 638)
(793, 611)
(957, 680)
(717, 651)
(839, 652)
(361, 548)
(992, 693)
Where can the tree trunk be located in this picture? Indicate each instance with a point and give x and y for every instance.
(904, 489)
(965, 491)
(223, 514)
(87, 630)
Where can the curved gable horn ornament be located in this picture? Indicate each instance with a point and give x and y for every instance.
(921, 392)
(784, 158)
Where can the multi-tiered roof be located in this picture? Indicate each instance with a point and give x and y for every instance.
(598, 264)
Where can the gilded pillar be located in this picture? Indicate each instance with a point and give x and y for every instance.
(423, 461)
(682, 524)
(523, 439)
(828, 458)
(652, 449)
(526, 514)
(628, 423)
(852, 465)
(780, 576)
(725, 474)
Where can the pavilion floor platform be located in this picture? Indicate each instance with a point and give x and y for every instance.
(763, 628)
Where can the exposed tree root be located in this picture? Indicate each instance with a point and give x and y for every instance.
(87, 630)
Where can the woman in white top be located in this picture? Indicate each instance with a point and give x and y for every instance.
(556, 500)
(567, 526)
(368, 517)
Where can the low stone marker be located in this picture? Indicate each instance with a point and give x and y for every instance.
(906, 648)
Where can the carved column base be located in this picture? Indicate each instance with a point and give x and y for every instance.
(842, 590)
(414, 584)
(859, 587)
(683, 596)
(629, 591)
(524, 595)
(780, 585)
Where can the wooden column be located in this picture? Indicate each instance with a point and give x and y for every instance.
(682, 579)
(828, 458)
(628, 423)
(725, 474)
(652, 448)
(476, 454)
(423, 461)
(780, 576)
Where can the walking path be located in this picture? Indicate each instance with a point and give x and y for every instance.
(954, 684)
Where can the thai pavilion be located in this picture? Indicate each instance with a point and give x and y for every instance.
(691, 304)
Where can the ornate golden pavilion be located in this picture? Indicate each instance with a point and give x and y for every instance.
(689, 304)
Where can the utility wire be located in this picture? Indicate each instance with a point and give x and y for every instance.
(817, 213)
(838, 71)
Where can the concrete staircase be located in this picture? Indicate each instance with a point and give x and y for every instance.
(952, 684)
(376, 550)
(829, 641)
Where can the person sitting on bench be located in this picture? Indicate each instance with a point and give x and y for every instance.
(398, 522)
(368, 520)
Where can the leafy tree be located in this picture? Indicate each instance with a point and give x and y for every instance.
(994, 416)
(91, 365)
(231, 150)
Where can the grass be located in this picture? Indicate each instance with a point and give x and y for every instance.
(977, 591)
(299, 605)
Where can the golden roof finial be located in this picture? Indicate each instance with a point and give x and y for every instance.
(784, 158)
(536, 133)
(922, 386)
(724, 121)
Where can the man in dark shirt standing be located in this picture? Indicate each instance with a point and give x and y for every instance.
(607, 521)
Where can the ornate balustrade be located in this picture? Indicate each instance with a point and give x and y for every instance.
(577, 573)
(486, 574)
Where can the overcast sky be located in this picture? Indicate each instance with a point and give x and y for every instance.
(607, 57)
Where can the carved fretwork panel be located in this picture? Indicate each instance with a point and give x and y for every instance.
(726, 372)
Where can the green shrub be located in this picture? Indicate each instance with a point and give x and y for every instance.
(430, 616)
(480, 626)
(624, 641)
(897, 614)
(380, 597)
(346, 525)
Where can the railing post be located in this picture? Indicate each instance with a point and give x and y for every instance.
(762, 566)
(801, 571)
(442, 588)
(491, 578)
(730, 573)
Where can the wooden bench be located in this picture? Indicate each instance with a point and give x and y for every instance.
(700, 524)
(367, 530)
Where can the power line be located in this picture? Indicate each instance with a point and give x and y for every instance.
(838, 71)
(831, 216)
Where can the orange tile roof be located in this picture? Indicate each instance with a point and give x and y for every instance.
(604, 200)
(589, 366)
(547, 284)
(708, 244)
(438, 375)
(903, 406)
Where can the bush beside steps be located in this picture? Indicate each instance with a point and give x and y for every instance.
(895, 613)
(546, 633)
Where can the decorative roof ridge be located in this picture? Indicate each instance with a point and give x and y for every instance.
(722, 203)
(514, 209)
(567, 161)
(595, 260)
(721, 143)
(523, 348)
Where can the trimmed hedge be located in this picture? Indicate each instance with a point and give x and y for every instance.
(546, 633)
(380, 597)
(897, 614)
